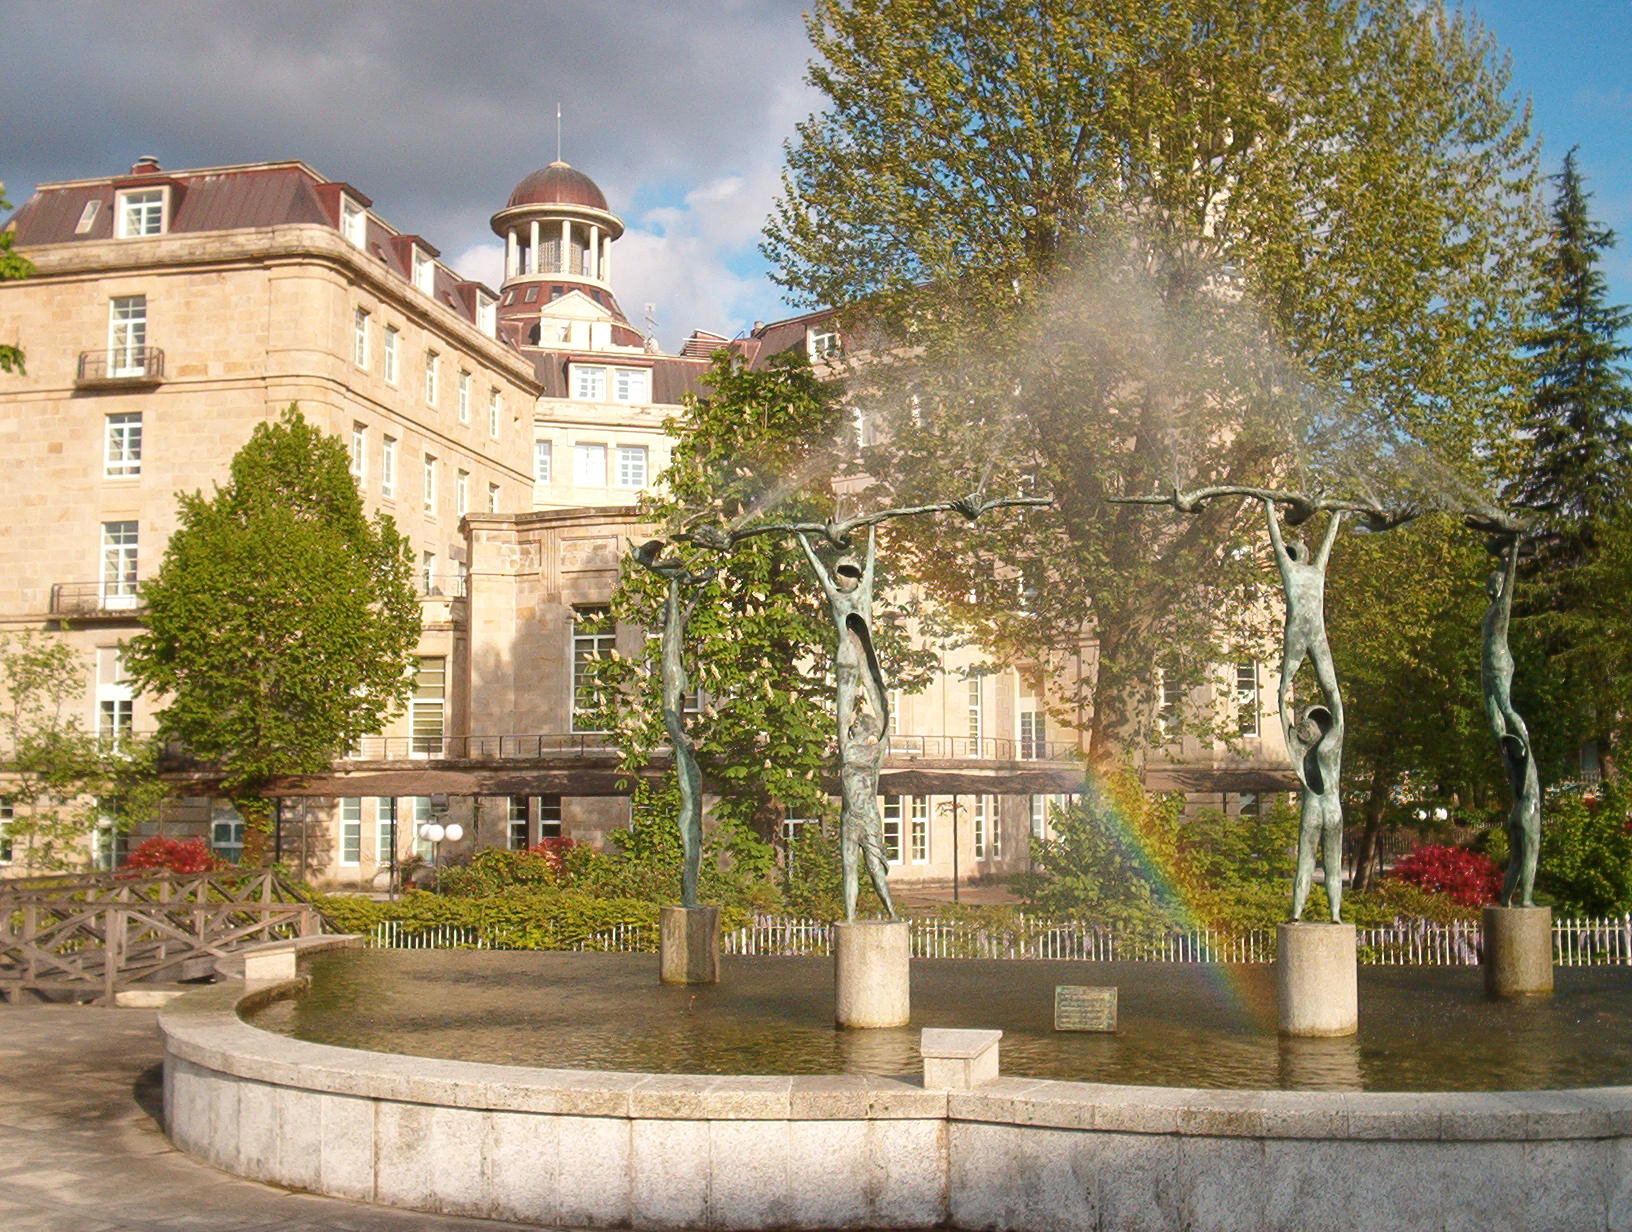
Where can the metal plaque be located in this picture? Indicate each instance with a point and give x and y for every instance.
(1083, 1007)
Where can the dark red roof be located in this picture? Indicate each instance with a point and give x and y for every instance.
(673, 376)
(559, 184)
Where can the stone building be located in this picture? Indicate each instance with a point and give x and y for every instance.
(508, 432)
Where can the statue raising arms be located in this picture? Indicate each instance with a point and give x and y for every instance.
(1304, 583)
(1512, 736)
(863, 719)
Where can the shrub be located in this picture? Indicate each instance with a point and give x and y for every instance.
(174, 855)
(1586, 853)
(1469, 878)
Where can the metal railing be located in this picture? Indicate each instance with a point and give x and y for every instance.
(985, 748)
(95, 598)
(441, 586)
(479, 748)
(119, 365)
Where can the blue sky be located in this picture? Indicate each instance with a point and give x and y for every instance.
(677, 108)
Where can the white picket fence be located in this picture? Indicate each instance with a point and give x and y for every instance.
(1418, 943)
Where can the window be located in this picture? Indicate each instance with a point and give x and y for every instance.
(994, 816)
(1171, 705)
(424, 272)
(113, 697)
(1033, 745)
(487, 314)
(423, 815)
(226, 832)
(351, 831)
(141, 212)
(110, 846)
(976, 719)
(461, 493)
(589, 383)
(631, 384)
(353, 222)
(359, 452)
(359, 338)
(8, 814)
(892, 829)
(433, 368)
(631, 466)
(430, 483)
(1251, 804)
(388, 467)
(549, 817)
(427, 573)
(589, 466)
(426, 709)
(87, 217)
(464, 396)
(118, 564)
(824, 341)
(541, 461)
(1039, 818)
(978, 814)
(918, 831)
(1246, 699)
(493, 408)
(592, 639)
(391, 354)
(532, 294)
(122, 445)
(127, 335)
(492, 498)
(385, 829)
(518, 823)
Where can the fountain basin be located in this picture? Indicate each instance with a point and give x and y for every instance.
(601, 1148)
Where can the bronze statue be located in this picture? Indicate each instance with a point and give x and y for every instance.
(676, 612)
(1512, 736)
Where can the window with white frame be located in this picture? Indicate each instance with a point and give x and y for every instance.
(433, 376)
(518, 832)
(424, 271)
(492, 498)
(1039, 817)
(892, 829)
(631, 385)
(592, 639)
(423, 814)
(1249, 804)
(359, 337)
(425, 714)
(1170, 707)
(427, 573)
(226, 832)
(122, 445)
(631, 466)
(87, 217)
(979, 820)
(542, 458)
(390, 351)
(589, 465)
(113, 698)
(8, 814)
(109, 845)
(385, 829)
(549, 817)
(823, 342)
(359, 452)
(976, 720)
(918, 829)
(994, 821)
(461, 493)
(388, 466)
(487, 314)
(1246, 699)
(119, 545)
(351, 831)
(353, 222)
(464, 396)
(589, 382)
(430, 483)
(127, 335)
(141, 212)
(1033, 739)
(494, 409)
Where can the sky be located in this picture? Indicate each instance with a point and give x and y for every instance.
(678, 109)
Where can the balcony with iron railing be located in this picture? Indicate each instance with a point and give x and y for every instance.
(97, 600)
(119, 366)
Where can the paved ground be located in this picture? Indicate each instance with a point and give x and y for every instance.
(81, 1149)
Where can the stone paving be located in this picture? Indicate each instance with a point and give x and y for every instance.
(81, 1149)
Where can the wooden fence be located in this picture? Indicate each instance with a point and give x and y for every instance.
(94, 937)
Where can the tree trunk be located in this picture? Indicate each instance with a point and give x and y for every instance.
(1368, 855)
(257, 815)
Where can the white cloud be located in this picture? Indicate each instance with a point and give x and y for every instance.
(481, 263)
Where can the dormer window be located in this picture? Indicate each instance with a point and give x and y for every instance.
(353, 222)
(631, 385)
(424, 272)
(487, 315)
(87, 216)
(589, 383)
(141, 212)
(823, 342)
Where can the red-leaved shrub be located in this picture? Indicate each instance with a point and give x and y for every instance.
(1470, 878)
(172, 855)
(553, 851)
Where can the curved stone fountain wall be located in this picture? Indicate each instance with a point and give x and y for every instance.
(580, 1148)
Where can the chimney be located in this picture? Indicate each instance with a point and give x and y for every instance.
(145, 165)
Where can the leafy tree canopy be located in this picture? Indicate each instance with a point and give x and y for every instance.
(12, 265)
(282, 622)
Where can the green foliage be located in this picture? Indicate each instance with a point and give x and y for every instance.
(1223, 851)
(1585, 867)
(542, 918)
(12, 265)
(1111, 245)
(282, 623)
(61, 780)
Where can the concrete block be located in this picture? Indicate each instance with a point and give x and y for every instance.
(668, 1174)
(828, 1184)
(870, 973)
(404, 1173)
(749, 1168)
(348, 1154)
(958, 1060)
(1315, 977)
(1135, 1180)
(689, 945)
(1221, 1184)
(269, 965)
(593, 1161)
(258, 1132)
(1518, 957)
(906, 1173)
(1026, 1180)
(523, 1167)
(300, 1137)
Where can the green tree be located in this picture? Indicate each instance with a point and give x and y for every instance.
(62, 782)
(758, 644)
(281, 625)
(12, 265)
(1109, 246)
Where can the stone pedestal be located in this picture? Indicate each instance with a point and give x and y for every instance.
(689, 945)
(1315, 979)
(870, 973)
(1518, 951)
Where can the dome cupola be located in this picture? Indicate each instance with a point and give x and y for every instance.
(556, 226)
